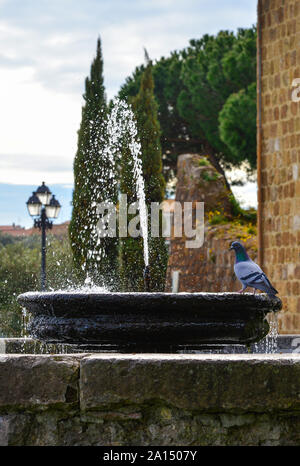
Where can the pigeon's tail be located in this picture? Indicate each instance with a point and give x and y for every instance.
(261, 282)
(271, 291)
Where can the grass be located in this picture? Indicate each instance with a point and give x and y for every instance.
(203, 162)
(206, 176)
(217, 218)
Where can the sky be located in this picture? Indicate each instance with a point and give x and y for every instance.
(46, 49)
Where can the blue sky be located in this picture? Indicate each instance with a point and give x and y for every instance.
(17, 195)
(46, 47)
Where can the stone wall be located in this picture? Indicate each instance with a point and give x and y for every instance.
(279, 150)
(210, 267)
(149, 399)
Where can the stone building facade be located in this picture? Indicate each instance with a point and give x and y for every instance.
(279, 152)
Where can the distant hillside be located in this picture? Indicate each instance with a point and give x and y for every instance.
(18, 231)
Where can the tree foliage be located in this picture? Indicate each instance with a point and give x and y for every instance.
(175, 137)
(20, 270)
(93, 256)
(237, 125)
(131, 249)
(214, 68)
(191, 88)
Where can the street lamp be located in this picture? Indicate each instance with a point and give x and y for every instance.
(34, 205)
(44, 194)
(53, 208)
(42, 206)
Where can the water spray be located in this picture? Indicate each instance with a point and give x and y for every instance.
(147, 278)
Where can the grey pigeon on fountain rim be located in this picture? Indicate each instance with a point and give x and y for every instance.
(249, 273)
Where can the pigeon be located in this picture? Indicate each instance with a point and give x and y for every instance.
(249, 273)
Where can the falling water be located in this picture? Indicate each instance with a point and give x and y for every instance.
(26, 317)
(24, 323)
(105, 147)
(269, 343)
(110, 134)
(119, 127)
(271, 338)
(121, 124)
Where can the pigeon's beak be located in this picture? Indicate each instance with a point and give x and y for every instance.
(231, 248)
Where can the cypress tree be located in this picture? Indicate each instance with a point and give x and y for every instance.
(93, 256)
(131, 249)
(131, 257)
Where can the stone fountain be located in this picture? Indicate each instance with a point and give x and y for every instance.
(146, 322)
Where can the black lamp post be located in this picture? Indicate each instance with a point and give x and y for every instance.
(42, 206)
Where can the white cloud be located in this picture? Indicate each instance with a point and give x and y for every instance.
(37, 122)
(31, 169)
(247, 194)
(45, 53)
(26, 176)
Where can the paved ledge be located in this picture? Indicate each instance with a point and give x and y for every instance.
(150, 399)
(198, 382)
(38, 381)
(31, 346)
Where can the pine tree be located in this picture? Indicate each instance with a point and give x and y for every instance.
(93, 256)
(131, 249)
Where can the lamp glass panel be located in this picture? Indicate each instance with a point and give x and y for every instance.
(44, 197)
(34, 209)
(51, 211)
(57, 211)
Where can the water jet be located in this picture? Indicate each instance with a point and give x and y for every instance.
(147, 278)
(145, 322)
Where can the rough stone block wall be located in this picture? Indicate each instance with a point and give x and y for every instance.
(209, 267)
(149, 399)
(280, 154)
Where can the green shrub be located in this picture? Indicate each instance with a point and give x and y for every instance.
(209, 176)
(20, 270)
(244, 215)
(203, 162)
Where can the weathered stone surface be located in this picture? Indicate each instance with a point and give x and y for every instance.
(17, 345)
(280, 344)
(148, 322)
(198, 180)
(210, 267)
(279, 167)
(30, 346)
(210, 383)
(38, 381)
(150, 400)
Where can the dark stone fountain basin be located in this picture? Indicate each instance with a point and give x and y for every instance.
(148, 321)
